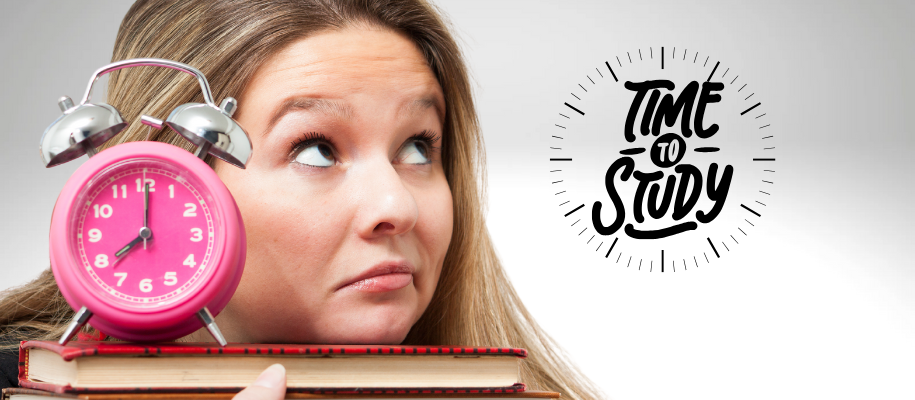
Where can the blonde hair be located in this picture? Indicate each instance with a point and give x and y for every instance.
(474, 303)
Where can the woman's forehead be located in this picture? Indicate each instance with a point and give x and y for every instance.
(341, 63)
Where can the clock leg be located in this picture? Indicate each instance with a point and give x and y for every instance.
(82, 316)
(207, 320)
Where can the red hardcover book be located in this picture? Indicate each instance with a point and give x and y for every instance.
(109, 367)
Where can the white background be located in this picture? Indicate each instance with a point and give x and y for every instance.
(818, 303)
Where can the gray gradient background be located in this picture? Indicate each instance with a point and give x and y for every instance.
(817, 304)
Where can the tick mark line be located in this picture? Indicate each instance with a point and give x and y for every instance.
(713, 71)
(764, 159)
(706, 255)
(557, 182)
(556, 148)
(662, 260)
(768, 148)
(651, 52)
(564, 115)
(560, 126)
(697, 262)
(611, 249)
(560, 159)
(767, 137)
(583, 231)
(694, 58)
(598, 246)
(557, 137)
(768, 170)
(592, 80)
(750, 210)
(713, 248)
(768, 182)
(764, 126)
(640, 54)
(572, 107)
(725, 245)
(767, 194)
(559, 193)
(761, 115)
(735, 78)
(618, 257)
(750, 109)
(592, 238)
(564, 203)
(741, 231)
(706, 62)
(556, 170)
(735, 240)
(576, 208)
(611, 70)
(748, 221)
(573, 224)
(662, 57)
(764, 204)
(684, 55)
(741, 88)
(582, 88)
(725, 73)
(751, 95)
(630, 57)
(598, 71)
(618, 61)
(579, 98)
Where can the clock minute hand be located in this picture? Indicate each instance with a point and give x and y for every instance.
(145, 214)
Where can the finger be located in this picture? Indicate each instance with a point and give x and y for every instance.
(270, 385)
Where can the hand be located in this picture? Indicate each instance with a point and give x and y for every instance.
(270, 385)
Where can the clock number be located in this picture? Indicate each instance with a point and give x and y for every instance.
(191, 210)
(114, 188)
(146, 285)
(189, 261)
(149, 181)
(197, 234)
(95, 235)
(122, 276)
(104, 211)
(101, 261)
(170, 278)
(171, 191)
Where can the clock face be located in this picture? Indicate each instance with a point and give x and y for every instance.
(142, 267)
(662, 159)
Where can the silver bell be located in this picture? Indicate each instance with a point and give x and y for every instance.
(79, 131)
(212, 130)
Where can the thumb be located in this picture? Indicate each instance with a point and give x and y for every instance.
(270, 385)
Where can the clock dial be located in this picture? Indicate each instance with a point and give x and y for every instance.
(662, 159)
(112, 254)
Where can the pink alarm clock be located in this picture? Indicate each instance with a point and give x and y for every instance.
(146, 242)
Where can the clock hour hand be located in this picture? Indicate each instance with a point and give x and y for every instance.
(145, 234)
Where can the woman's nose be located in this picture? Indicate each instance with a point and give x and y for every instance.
(386, 207)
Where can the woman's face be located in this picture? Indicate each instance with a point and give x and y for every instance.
(347, 210)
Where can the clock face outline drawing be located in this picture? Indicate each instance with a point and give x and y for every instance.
(662, 159)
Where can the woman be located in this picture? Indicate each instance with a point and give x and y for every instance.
(360, 201)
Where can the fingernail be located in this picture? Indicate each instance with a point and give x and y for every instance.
(272, 377)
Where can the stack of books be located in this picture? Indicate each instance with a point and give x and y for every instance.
(197, 371)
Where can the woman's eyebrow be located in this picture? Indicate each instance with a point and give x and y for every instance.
(301, 103)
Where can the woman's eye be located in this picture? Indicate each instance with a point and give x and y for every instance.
(318, 155)
(415, 152)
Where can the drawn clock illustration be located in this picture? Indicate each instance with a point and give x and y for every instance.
(662, 159)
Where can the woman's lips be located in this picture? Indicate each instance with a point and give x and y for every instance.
(382, 278)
